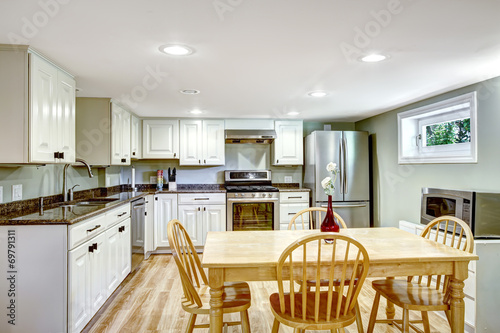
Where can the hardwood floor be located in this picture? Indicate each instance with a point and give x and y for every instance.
(149, 301)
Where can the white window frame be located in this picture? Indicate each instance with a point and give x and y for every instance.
(411, 136)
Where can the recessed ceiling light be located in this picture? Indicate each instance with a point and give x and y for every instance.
(373, 58)
(175, 49)
(195, 111)
(318, 93)
(293, 113)
(190, 91)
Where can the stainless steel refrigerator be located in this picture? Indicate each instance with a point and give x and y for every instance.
(349, 149)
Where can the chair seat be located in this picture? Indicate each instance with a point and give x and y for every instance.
(411, 296)
(236, 297)
(309, 323)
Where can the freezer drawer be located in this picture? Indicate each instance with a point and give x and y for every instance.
(356, 214)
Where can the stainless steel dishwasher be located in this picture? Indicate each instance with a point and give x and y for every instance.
(138, 226)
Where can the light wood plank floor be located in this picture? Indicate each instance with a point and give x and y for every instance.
(149, 301)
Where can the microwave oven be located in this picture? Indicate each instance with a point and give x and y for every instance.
(480, 210)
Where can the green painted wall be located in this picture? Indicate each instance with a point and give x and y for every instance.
(397, 188)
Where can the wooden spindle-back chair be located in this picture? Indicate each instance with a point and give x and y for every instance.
(424, 293)
(308, 215)
(196, 298)
(346, 261)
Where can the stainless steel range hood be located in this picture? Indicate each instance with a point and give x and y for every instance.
(250, 136)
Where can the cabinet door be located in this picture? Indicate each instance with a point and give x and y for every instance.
(98, 260)
(116, 134)
(126, 137)
(214, 219)
(135, 137)
(191, 142)
(43, 109)
(112, 270)
(160, 138)
(165, 208)
(79, 309)
(213, 142)
(66, 117)
(125, 254)
(191, 217)
(288, 146)
(150, 218)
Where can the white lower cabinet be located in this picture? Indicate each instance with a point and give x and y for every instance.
(165, 209)
(290, 204)
(200, 213)
(97, 266)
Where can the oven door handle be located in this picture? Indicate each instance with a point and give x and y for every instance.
(255, 200)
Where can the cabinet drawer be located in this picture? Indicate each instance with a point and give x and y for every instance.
(80, 232)
(286, 197)
(202, 198)
(117, 214)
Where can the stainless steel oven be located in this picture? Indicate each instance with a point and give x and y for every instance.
(252, 202)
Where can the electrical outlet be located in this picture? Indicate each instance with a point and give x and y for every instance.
(17, 192)
(152, 180)
(1, 194)
(288, 179)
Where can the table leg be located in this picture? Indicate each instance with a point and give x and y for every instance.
(457, 304)
(390, 311)
(216, 283)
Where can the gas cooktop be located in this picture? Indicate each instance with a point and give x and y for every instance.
(251, 188)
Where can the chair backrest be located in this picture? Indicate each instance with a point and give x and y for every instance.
(450, 231)
(308, 215)
(344, 262)
(187, 261)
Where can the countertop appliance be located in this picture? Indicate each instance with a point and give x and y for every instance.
(480, 210)
(252, 201)
(349, 149)
(138, 231)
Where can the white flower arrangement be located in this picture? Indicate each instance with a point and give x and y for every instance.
(328, 183)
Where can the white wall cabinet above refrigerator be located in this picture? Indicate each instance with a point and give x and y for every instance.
(37, 109)
(288, 146)
(102, 132)
(160, 138)
(202, 142)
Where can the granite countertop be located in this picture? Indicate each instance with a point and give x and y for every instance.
(69, 213)
(290, 187)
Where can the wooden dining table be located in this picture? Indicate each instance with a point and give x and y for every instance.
(253, 255)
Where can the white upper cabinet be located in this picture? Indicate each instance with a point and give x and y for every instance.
(288, 146)
(202, 142)
(37, 109)
(102, 132)
(120, 135)
(135, 138)
(160, 138)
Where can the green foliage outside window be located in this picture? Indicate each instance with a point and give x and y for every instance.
(448, 133)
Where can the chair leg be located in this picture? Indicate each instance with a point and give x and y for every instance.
(245, 322)
(425, 319)
(359, 321)
(192, 320)
(373, 315)
(406, 321)
(276, 326)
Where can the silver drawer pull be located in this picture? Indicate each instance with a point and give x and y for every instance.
(120, 215)
(294, 197)
(292, 213)
(94, 228)
(201, 198)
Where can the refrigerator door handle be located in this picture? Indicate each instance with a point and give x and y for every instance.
(341, 162)
(345, 206)
(344, 153)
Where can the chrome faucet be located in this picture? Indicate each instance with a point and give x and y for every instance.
(65, 173)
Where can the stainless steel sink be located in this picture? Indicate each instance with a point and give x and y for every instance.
(96, 202)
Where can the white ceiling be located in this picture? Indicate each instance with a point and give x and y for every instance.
(259, 58)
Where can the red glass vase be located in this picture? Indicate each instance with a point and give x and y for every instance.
(330, 223)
